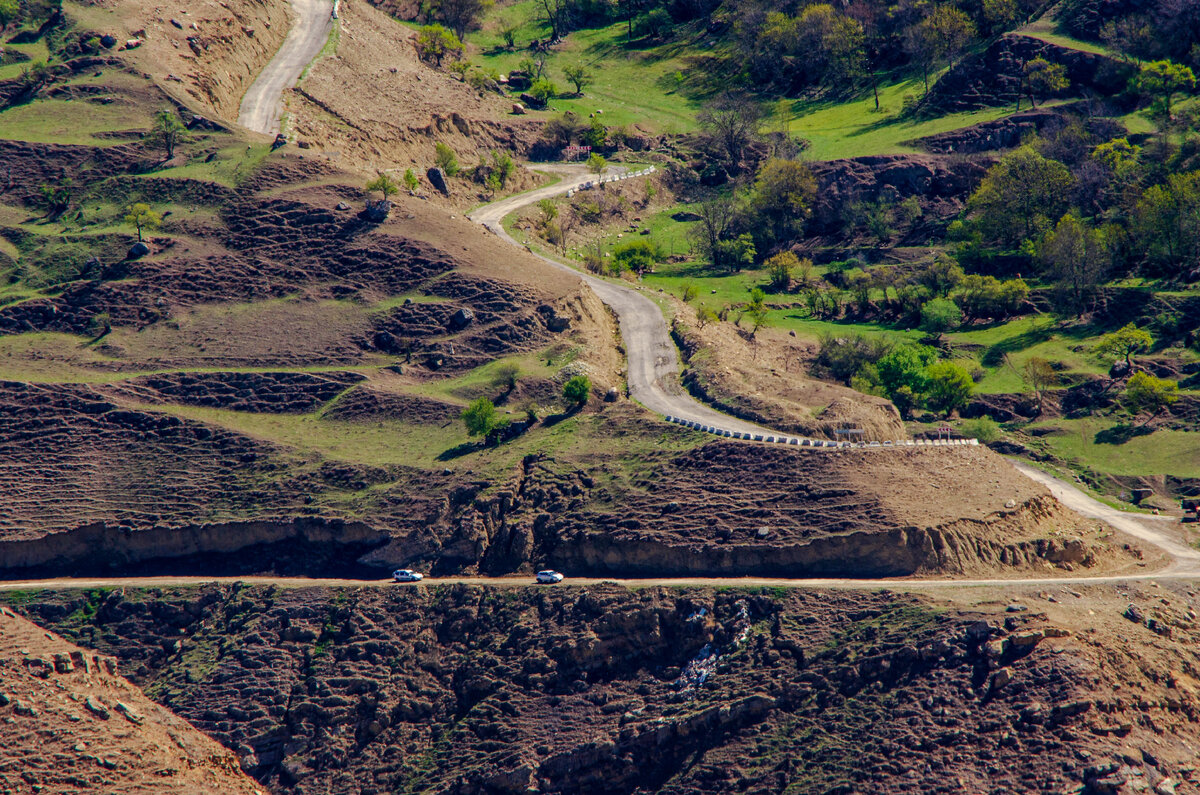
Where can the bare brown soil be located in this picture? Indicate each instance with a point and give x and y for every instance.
(71, 724)
(396, 107)
(463, 690)
(212, 56)
(763, 378)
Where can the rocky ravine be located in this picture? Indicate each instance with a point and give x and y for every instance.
(461, 689)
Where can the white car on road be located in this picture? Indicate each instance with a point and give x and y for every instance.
(549, 577)
(407, 575)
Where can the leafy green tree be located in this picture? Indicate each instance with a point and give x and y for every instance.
(948, 386)
(1167, 221)
(577, 390)
(1125, 342)
(384, 184)
(940, 36)
(989, 297)
(596, 135)
(503, 166)
(10, 10)
(940, 314)
(34, 78)
(543, 90)
(1020, 195)
(436, 43)
(506, 376)
(780, 268)
(142, 218)
(998, 14)
(548, 209)
(1163, 80)
(1042, 78)
(717, 218)
(1148, 394)
(596, 163)
(1075, 257)
(166, 132)
(904, 366)
(638, 256)
(829, 45)
(481, 419)
(410, 180)
(940, 276)
(578, 76)
(738, 253)
(57, 196)
(446, 159)
(781, 200)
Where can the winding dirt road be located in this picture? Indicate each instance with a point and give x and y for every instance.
(262, 105)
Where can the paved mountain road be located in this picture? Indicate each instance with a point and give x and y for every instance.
(653, 361)
(262, 105)
(653, 381)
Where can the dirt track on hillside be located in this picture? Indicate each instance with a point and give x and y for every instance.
(653, 362)
(263, 102)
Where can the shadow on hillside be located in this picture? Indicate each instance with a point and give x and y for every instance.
(1120, 434)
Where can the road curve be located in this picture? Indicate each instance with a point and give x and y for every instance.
(262, 105)
(653, 362)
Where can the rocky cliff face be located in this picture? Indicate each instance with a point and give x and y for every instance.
(468, 690)
(994, 77)
(942, 185)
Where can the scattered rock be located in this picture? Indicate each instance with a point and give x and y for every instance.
(1001, 678)
(176, 23)
(343, 206)
(1016, 607)
(138, 250)
(611, 395)
(129, 714)
(1134, 613)
(461, 319)
(1024, 640)
(377, 210)
(518, 109)
(438, 180)
(97, 708)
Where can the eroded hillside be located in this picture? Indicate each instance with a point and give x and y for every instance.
(462, 689)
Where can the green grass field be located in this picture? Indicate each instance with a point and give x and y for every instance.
(1162, 452)
(632, 84)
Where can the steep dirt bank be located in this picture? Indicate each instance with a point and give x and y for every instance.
(206, 52)
(469, 690)
(398, 107)
(1028, 538)
(71, 724)
(107, 491)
